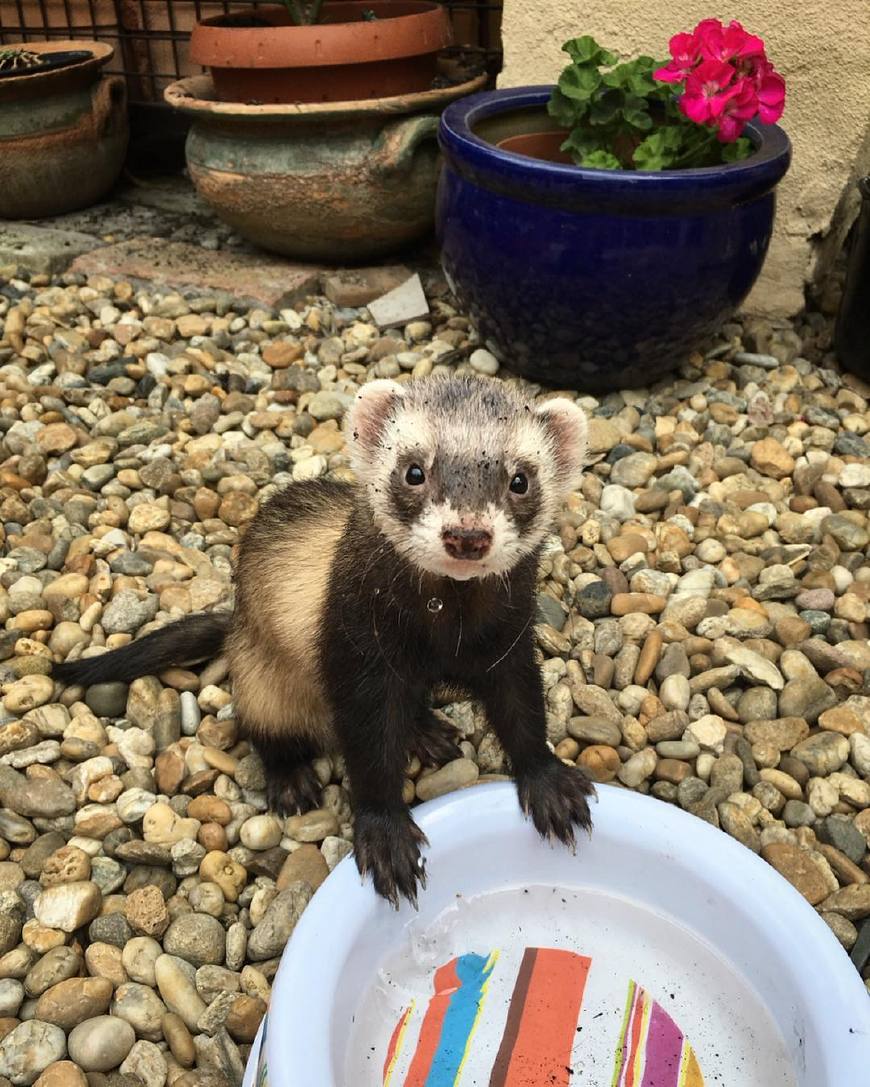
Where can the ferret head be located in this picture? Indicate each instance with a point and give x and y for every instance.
(463, 475)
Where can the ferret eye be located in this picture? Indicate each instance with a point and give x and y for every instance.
(415, 475)
(520, 483)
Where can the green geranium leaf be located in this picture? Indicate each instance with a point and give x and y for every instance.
(636, 113)
(601, 160)
(579, 84)
(616, 77)
(740, 149)
(642, 82)
(562, 109)
(634, 77)
(586, 50)
(606, 107)
(579, 144)
(660, 150)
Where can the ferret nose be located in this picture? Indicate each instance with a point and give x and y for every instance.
(466, 543)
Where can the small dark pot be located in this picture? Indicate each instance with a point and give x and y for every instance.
(595, 279)
(852, 339)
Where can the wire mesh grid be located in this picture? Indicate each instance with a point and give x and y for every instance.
(150, 36)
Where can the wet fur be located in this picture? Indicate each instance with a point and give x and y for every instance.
(332, 645)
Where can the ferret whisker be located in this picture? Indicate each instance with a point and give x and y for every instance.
(512, 646)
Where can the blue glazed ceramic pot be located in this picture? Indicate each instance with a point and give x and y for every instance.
(595, 279)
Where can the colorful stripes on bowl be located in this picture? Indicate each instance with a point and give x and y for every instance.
(540, 1029)
(652, 1051)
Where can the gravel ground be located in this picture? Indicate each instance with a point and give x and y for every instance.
(703, 631)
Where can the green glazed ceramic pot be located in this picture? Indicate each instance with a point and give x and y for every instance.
(343, 181)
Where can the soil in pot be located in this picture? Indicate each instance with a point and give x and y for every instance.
(346, 56)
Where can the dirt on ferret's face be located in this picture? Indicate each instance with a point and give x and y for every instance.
(464, 475)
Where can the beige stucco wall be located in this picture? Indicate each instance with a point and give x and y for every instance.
(822, 47)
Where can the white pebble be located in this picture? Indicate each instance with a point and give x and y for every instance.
(675, 692)
(190, 715)
(484, 362)
(709, 732)
(617, 502)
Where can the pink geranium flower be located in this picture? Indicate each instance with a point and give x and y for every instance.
(732, 108)
(684, 56)
(724, 43)
(703, 86)
(771, 96)
(727, 78)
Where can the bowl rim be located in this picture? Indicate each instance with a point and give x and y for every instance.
(346, 908)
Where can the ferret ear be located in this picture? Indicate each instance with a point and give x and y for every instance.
(566, 425)
(368, 415)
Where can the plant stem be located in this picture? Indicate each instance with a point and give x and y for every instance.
(297, 14)
(314, 10)
(693, 152)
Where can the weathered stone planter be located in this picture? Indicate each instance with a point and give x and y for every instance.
(63, 135)
(342, 181)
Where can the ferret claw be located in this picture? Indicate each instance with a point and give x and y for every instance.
(387, 847)
(556, 799)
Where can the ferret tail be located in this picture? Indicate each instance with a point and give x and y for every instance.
(196, 638)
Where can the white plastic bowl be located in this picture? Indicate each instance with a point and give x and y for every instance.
(652, 881)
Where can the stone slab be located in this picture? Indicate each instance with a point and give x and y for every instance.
(253, 277)
(173, 194)
(42, 250)
(401, 305)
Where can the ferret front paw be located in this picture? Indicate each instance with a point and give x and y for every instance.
(386, 846)
(555, 797)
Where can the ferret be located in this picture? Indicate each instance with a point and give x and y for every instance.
(354, 601)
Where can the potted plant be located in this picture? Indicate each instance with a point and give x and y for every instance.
(323, 50)
(315, 135)
(600, 230)
(63, 128)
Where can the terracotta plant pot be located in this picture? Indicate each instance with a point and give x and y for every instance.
(338, 182)
(538, 145)
(63, 134)
(342, 58)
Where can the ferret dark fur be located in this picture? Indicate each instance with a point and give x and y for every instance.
(334, 644)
